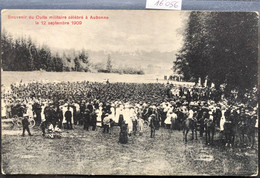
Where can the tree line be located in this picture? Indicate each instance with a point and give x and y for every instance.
(22, 54)
(120, 70)
(222, 48)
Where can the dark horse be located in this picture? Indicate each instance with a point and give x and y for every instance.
(247, 127)
(230, 128)
(189, 124)
(209, 125)
(229, 131)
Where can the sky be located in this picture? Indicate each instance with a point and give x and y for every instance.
(125, 30)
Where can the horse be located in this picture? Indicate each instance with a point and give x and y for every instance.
(230, 130)
(246, 127)
(189, 124)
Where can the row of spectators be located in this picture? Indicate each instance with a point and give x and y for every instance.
(158, 99)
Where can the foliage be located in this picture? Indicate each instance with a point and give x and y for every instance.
(22, 54)
(221, 47)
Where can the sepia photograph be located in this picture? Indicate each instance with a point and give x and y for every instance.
(129, 92)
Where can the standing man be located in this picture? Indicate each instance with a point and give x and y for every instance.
(103, 115)
(82, 109)
(152, 125)
(59, 116)
(106, 123)
(26, 124)
(86, 118)
(68, 117)
(94, 120)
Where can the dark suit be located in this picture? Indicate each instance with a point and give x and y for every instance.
(86, 117)
(68, 116)
(26, 124)
(59, 117)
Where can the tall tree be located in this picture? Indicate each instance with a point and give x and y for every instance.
(44, 57)
(7, 51)
(83, 56)
(77, 66)
(222, 47)
(58, 63)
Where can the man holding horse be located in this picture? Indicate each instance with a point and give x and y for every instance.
(190, 123)
(209, 124)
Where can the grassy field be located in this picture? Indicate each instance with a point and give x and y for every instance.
(9, 77)
(92, 152)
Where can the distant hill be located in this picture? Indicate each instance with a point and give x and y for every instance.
(154, 62)
(23, 54)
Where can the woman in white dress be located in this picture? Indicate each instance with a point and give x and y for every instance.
(222, 119)
(167, 121)
(127, 118)
(99, 114)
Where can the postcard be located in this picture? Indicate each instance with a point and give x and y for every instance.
(129, 92)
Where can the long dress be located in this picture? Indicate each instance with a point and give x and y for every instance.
(222, 121)
(42, 114)
(131, 117)
(123, 134)
(128, 120)
(29, 111)
(113, 114)
(99, 114)
(140, 124)
(168, 119)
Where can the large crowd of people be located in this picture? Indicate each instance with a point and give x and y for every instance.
(130, 106)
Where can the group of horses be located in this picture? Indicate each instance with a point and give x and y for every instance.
(238, 129)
